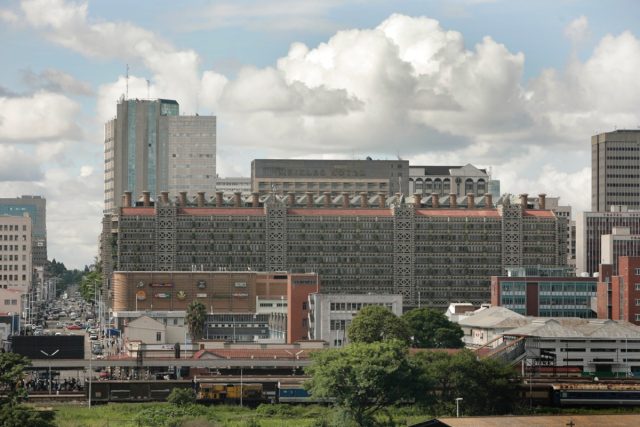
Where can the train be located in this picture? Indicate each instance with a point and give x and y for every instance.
(256, 390)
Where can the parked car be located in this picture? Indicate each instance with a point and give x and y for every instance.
(74, 327)
(93, 337)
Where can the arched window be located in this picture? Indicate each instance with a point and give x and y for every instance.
(468, 186)
(419, 188)
(412, 186)
(446, 186)
(437, 186)
(482, 187)
(428, 186)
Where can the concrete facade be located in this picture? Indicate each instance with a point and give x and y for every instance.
(615, 166)
(445, 180)
(36, 207)
(617, 244)
(16, 268)
(150, 147)
(619, 293)
(232, 185)
(331, 315)
(591, 226)
(333, 176)
(431, 255)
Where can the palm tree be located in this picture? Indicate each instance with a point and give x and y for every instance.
(196, 316)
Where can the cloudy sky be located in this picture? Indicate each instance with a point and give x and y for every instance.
(518, 86)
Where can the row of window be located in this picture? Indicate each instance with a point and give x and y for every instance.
(12, 227)
(12, 237)
(11, 302)
(13, 267)
(12, 247)
(12, 277)
(356, 306)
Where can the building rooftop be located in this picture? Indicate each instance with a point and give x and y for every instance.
(494, 317)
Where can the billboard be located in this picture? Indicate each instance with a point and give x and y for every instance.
(49, 347)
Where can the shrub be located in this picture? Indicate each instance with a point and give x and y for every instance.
(182, 396)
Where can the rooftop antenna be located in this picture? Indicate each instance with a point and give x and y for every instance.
(127, 80)
(148, 89)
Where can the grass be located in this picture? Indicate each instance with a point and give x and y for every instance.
(166, 415)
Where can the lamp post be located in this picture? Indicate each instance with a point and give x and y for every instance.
(50, 356)
(90, 374)
(458, 399)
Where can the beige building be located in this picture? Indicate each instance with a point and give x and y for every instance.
(150, 331)
(15, 253)
(10, 301)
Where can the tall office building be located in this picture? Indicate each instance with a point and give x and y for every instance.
(615, 170)
(150, 147)
(36, 207)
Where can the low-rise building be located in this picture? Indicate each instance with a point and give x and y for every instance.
(487, 325)
(232, 185)
(330, 315)
(617, 244)
(619, 294)
(545, 292)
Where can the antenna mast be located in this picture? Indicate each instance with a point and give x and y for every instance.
(127, 80)
(148, 89)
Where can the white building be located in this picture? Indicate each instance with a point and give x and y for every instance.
(331, 314)
(233, 185)
(487, 325)
(152, 331)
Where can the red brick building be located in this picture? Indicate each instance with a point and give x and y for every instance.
(619, 295)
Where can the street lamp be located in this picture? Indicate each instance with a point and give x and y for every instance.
(50, 356)
(458, 399)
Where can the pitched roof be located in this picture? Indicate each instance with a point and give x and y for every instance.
(494, 317)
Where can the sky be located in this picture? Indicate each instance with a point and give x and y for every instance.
(515, 86)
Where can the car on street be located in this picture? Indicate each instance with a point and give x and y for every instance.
(74, 327)
(93, 337)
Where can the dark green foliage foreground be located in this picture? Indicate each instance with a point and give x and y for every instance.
(12, 412)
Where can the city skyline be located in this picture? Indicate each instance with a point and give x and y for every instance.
(436, 83)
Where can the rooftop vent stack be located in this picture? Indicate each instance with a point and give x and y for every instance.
(164, 195)
(237, 199)
(435, 200)
(417, 200)
(382, 198)
(524, 198)
(471, 201)
(327, 199)
(219, 201)
(345, 200)
(126, 199)
(453, 200)
(292, 198)
(542, 201)
(364, 199)
(255, 200)
(488, 200)
(309, 199)
(183, 199)
(146, 199)
(200, 199)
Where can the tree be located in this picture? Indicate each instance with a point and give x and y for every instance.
(12, 414)
(375, 323)
(90, 283)
(196, 317)
(362, 378)
(181, 396)
(431, 329)
(487, 386)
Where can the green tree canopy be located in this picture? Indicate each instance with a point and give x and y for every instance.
(90, 283)
(363, 378)
(375, 323)
(431, 329)
(196, 317)
(486, 386)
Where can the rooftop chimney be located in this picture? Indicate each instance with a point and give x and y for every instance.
(542, 201)
(219, 201)
(417, 200)
(237, 199)
(164, 195)
(255, 200)
(327, 199)
(309, 199)
(201, 199)
(345, 200)
(524, 198)
(126, 199)
(435, 200)
(183, 199)
(471, 201)
(364, 199)
(453, 200)
(488, 201)
(146, 199)
(382, 199)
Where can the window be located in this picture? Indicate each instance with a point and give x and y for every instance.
(637, 286)
(638, 303)
(637, 271)
(158, 336)
(304, 305)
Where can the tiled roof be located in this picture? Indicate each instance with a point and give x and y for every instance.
(538, 213)
(341, 212)
(491, 213)
(221, 211)
(138, 211)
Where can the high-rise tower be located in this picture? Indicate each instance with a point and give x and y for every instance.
(150, 147)
(615, 170)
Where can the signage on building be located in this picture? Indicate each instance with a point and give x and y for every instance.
(201, 295)
(162, 295)
(181, 295)
(161, 285)
(241, 284)
(141, 295)
(202, 284)
(304, 281)
(241, 295)
(141, 284)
